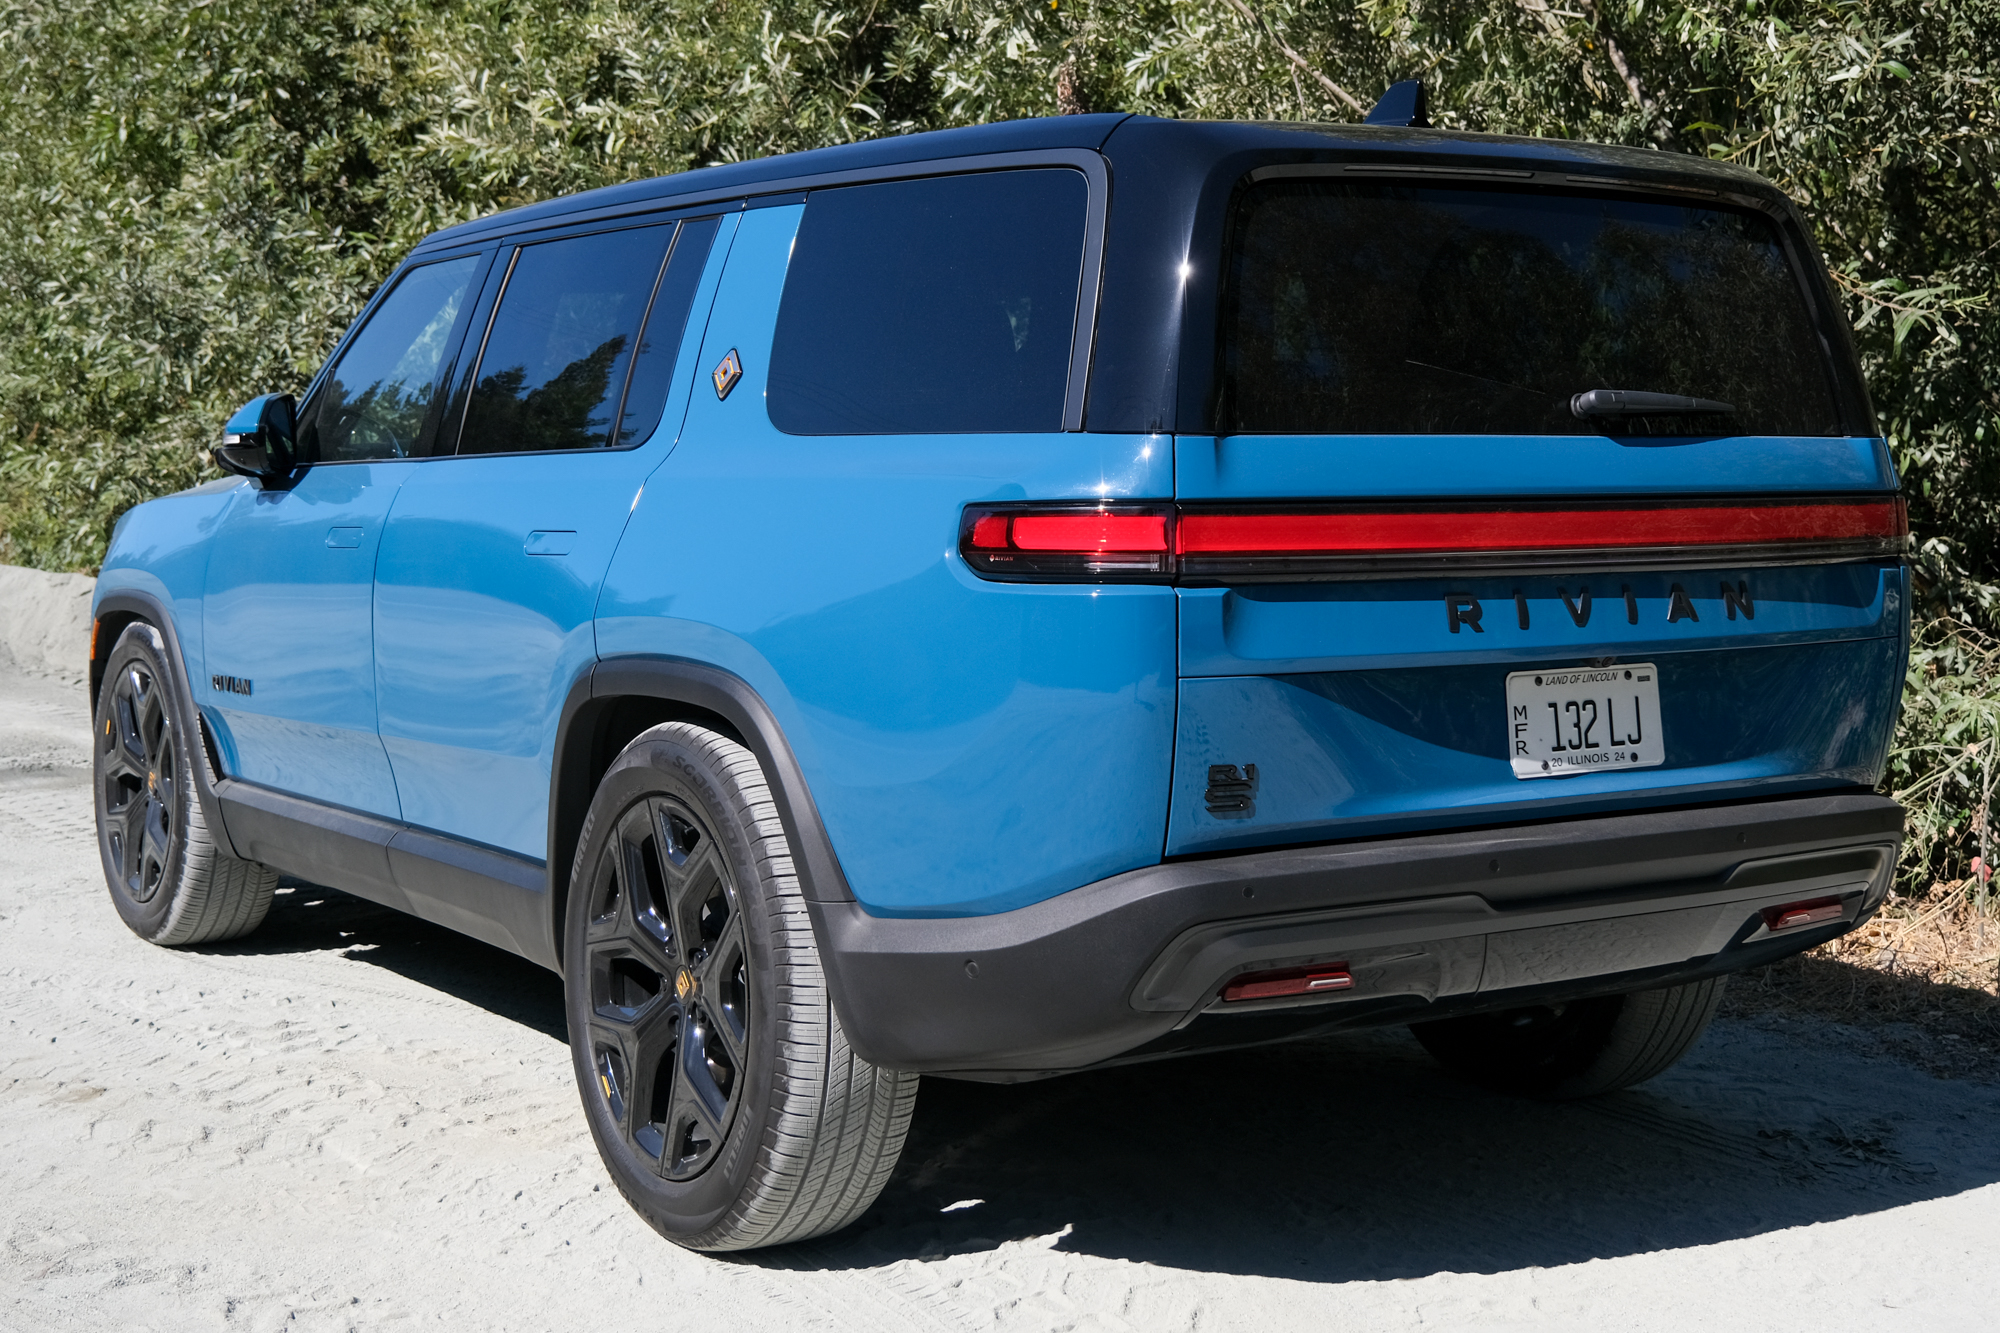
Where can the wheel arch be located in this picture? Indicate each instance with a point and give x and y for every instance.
(118, 611)
(617, 699)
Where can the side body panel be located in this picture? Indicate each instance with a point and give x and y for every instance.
(483, 605)
(288, 679)
(161, 549)
(972, 746)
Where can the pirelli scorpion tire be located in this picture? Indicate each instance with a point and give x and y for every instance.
(1565, 1051)
(169, 880)
(718, 1084)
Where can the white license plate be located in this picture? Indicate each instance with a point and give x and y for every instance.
(1584, 720)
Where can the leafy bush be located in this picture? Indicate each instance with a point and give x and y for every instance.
(194, 200)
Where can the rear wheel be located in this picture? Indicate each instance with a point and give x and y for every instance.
(1578, 1049)
(169, 880)
(716, 1078)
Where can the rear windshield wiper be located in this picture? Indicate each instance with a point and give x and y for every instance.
(1635, 403)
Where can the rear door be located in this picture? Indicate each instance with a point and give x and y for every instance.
(1445, 563)
(492, 558)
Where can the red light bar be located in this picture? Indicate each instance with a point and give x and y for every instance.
(1811, 913)
(1069, 541)
(1537, 529)
(1214, 544)
(1288, 981)
(1090, 532)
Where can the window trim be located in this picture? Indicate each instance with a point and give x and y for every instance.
(460, 405)
(700, 203)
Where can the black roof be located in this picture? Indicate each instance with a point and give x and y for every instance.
(1170, 184)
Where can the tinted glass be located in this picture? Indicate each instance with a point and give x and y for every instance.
(554, 366)
(1390, 309)
(375, 402)
(660, 343)
(942, 305)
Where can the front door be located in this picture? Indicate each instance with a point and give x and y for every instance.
(489, 571)
(289, 685)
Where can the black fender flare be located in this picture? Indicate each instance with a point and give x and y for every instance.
(588, 738)
(121, 608)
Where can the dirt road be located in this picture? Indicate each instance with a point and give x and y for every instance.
(357, 1121)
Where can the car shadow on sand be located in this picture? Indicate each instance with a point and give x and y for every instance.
(307, 919)
(1357, 1158)
(1343, 1158)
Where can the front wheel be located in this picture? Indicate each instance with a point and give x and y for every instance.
(170, 881)
(1579, 1049)
(716, 1079)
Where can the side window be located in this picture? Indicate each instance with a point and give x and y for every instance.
(376, 401)
(554, 366)
(660, 341)
(945, 305)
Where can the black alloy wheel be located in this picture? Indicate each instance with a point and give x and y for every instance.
(170, 880)
(142, 788)
(669, 986)
(718, 1082)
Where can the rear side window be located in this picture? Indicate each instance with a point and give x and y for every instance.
(554, 366)
(378, 400)
(1383, 308)
(945, 305)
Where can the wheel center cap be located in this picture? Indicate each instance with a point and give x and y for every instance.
(685, 985)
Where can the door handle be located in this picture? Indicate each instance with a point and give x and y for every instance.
(550, 542)
(343, 539)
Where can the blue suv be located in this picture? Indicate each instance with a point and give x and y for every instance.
(1013, 600)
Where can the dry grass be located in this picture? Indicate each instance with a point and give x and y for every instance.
(1921, 981)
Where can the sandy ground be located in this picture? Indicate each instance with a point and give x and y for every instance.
(358, 1121)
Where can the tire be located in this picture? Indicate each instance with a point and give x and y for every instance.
(718, 1084)
(1580, 1049)
(169, 880)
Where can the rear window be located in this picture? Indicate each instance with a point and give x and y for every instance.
(945, 305)
(1383, 308)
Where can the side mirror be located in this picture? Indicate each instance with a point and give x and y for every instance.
(260, 441)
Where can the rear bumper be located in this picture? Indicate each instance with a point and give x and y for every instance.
(1430, 926)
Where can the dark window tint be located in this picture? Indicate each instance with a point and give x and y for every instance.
(1389, 309)
(942, 305)
(554, 365)
(660, 343)
(376, 401)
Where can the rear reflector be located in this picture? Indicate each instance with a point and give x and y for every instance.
(1809, 913)
(1201, 544)
(1288, 981)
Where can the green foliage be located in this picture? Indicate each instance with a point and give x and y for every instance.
(1942, 768)
(195, 199)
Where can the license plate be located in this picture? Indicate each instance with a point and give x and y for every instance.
(1584, 720)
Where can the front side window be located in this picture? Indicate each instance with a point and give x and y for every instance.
(378, 399)
(554, 366)
(1356, 307)
(945, 305)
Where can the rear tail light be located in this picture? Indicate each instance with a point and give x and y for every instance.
(1289, 981)
(1095, 542)
(1812, 912)
(1207, 544)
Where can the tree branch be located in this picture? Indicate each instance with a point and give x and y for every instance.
(1647, 106)
(1294, 56)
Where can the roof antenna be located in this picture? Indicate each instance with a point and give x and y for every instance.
(1403, 104)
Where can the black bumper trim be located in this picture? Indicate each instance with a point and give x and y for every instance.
(1437, 923)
